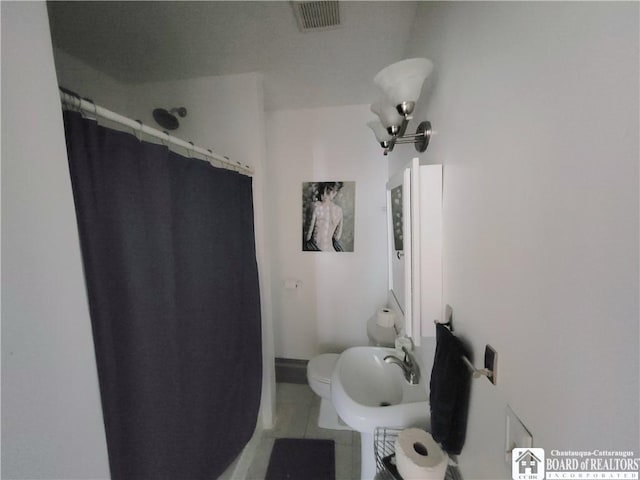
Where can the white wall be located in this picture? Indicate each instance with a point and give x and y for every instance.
(223, 113)
(89, 83)
(535, 108)
(51, 415)
(339, 292)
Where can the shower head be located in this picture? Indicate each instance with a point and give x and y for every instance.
(167, 119)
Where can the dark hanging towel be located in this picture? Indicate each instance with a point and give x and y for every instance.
(170, 267)
(449, 392)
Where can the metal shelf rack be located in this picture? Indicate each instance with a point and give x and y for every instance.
(384, 439)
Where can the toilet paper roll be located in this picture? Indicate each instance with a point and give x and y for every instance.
(385, 318)
(419, 457)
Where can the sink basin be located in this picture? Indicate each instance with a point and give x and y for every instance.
(367, 392)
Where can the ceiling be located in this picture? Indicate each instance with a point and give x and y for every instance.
(145, 41)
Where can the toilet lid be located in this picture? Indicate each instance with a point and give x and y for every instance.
(321, 367)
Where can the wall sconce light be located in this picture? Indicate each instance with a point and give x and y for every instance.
(388, 115)
(381, 133)
(401, 83)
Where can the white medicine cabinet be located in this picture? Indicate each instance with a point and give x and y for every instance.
(414, 213)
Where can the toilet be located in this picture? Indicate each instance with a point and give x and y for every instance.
(320, 368)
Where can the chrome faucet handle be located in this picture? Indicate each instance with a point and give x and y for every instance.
(407, 356)
(409, 366)
(413, 369)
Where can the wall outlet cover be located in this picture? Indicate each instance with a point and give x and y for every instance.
(517, 435)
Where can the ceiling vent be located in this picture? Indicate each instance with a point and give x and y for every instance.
(314, 16)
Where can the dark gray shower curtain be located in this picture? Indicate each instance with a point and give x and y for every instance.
(170, 267)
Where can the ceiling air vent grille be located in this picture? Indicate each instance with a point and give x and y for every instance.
(319, 15)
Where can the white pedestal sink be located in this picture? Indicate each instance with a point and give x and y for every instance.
(369, 393)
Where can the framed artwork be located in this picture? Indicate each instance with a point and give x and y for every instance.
(328, 216)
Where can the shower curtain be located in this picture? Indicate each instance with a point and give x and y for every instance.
(170, 267)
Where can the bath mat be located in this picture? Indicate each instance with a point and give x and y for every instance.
(302, 459)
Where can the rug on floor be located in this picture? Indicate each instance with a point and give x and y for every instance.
(302, 459)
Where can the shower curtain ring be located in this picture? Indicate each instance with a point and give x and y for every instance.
(168, 139)
(85, 113)
(190, 150)
(138, 131)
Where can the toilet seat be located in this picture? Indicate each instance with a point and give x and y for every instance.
(321, 367)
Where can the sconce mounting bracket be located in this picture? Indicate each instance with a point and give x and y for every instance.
(423, 134)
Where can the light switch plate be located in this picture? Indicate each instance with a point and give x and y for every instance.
(517, 435)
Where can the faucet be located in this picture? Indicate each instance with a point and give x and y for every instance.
(409, 366)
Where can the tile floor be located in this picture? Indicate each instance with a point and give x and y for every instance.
(297, 409)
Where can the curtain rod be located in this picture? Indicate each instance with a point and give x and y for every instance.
(73, 101)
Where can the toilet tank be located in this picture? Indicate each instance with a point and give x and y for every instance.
(380, 336)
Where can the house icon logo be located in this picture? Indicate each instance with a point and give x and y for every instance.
(527, 464)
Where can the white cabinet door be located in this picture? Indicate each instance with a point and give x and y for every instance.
(414, 208)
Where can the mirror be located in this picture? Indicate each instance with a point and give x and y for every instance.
(399, 231)
(397, 218)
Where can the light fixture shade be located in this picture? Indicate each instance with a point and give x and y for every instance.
(388, 114)
(402, 81)
(379, 131)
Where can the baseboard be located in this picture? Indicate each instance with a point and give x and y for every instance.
(289, 370)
